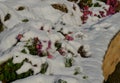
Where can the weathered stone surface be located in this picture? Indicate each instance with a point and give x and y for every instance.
(111, 62)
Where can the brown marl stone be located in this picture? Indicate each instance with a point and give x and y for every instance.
(111, 62)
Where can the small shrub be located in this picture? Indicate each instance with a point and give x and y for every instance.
(8, 71)
(44, 68)
(77, 71)
(7, 17)
(68, 62)
(82, 52)
(25, 20)
(20, 8)
(61, 7)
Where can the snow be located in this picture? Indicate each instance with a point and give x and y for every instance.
(95, 36)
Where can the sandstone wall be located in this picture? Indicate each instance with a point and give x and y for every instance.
(111, 60)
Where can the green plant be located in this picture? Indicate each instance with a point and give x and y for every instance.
(25, 20)
(84, 3)
(8, 71)
(24, 51)
(7, 17)
(68, 62)
(1, 26)
(58, 45)
(44, 68)
(97, 4)
(77, 71)
(85, 77)
(20, 8)
(61, 7)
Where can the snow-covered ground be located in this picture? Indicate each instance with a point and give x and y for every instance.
(50, 26)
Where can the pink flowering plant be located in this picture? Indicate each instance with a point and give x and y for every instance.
(35, 47)
(85, 5)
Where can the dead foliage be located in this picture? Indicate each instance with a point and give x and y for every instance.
(61, 7)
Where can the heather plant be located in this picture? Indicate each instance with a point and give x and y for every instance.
(113, 6)
(34, 46)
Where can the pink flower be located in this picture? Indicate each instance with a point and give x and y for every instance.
(111, 11)
(49, 55)
(69, 38)
(61, 51)
(19, 37)
(113, 4)
(102, 13)
(86, 12)
(95, 15)
(39, 46)
(49, 44)
(39, 52)
(86, 8)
